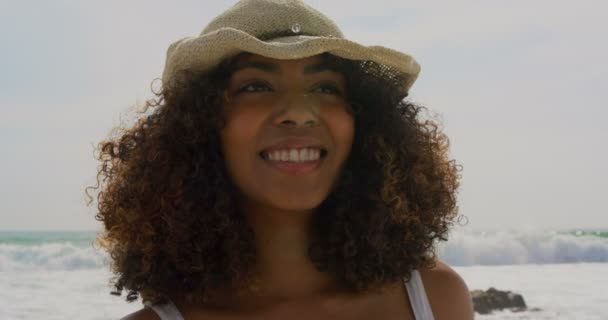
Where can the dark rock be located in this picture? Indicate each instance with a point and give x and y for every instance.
(485, 302)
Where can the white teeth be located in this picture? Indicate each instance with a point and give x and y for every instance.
(294, 155)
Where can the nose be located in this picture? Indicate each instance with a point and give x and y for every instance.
(300, 110)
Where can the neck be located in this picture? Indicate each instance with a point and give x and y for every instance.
(284, 270)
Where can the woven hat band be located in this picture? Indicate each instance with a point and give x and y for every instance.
(265, 19)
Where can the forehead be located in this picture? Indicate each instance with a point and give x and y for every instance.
(309, 65)
(247, 57)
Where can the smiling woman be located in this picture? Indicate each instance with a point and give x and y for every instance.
(281, 174)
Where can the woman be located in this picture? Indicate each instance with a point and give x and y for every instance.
(281, 174)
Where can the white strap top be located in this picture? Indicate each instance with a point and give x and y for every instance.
(418, 299)
(166, 311)
(415, 288)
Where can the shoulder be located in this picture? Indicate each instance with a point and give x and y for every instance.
(447, 292)
(142, 314)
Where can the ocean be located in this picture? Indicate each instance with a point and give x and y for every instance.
(561, 274)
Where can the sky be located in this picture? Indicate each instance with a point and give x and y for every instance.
(519, 87)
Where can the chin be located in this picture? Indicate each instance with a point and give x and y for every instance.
(297, 203)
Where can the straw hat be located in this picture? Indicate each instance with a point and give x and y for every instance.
(283, 29)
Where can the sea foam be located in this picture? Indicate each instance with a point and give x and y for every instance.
(466, 248)
(49, 256)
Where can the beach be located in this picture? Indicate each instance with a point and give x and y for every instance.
(60, 276)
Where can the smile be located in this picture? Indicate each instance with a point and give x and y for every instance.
(294, 155)
(294, 161)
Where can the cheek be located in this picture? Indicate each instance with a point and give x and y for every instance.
(341, 125)
(240, 127)
(238, 138)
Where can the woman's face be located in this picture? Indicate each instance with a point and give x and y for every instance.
(288, 131)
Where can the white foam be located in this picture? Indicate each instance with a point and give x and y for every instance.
(49, 256)
(559, 291)
(465, 248)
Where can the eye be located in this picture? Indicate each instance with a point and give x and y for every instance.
(329, 89)
(253, 87)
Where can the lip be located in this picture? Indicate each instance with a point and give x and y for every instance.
(295, 168)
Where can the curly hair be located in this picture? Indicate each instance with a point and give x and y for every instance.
(172, 223)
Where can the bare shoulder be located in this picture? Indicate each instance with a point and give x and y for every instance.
(447, 292)
(142, 314)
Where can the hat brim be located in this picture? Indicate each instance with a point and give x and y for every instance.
(200, 54)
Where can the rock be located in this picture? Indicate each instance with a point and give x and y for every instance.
(485, 302)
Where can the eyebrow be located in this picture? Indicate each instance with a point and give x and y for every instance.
(274, 68)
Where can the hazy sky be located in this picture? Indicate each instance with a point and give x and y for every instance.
(521, 88)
